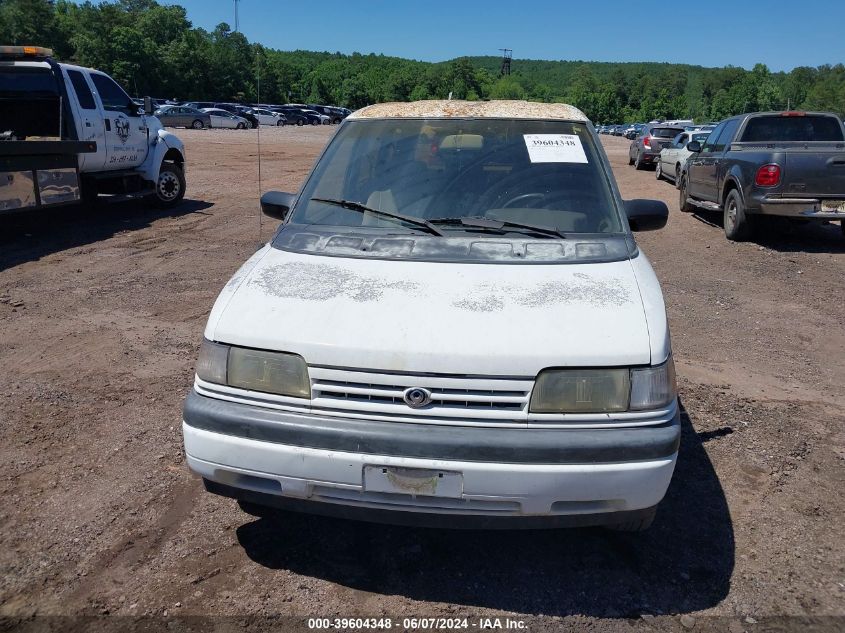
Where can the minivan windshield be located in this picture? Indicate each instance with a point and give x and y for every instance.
(509, 172)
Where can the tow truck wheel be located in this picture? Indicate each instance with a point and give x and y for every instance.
(170, 187)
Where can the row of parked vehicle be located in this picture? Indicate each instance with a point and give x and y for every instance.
(207, 114)
(752, 166)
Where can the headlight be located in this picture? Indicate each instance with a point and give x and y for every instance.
(256, 370)
(581, 391)
(604, 390)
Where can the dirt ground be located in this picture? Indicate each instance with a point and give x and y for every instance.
(101, 316)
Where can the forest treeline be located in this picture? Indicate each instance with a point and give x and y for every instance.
(154, 49)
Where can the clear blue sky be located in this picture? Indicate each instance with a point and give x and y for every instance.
(781, 34)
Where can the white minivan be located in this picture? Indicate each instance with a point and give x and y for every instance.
(452, 326)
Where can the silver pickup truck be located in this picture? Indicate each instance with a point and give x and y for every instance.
(768, 163)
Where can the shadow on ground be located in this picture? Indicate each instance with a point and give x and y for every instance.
(683, 563)
(785, 236)
(29, 236)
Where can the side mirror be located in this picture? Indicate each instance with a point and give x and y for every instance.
(277, 204)
(646, 215)
(694, 146)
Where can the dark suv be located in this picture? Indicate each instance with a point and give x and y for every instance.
(646, 147)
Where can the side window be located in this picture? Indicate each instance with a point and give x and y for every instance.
(681, 141)
(726, 136)
(112, 95)
(83, 92)
(708, 145)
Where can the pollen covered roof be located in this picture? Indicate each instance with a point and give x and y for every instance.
(470, 109)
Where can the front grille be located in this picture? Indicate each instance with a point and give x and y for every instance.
(375, 394)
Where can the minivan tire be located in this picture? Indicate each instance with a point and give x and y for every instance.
(170, 186)
(197, 124)
(737, 224)
(635, 525)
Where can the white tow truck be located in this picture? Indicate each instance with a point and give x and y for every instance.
(69, 133)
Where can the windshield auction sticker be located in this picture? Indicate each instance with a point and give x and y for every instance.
(554, 148)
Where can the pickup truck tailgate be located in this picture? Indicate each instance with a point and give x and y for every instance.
(815, 170)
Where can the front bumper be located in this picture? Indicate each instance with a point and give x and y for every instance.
(577, 476)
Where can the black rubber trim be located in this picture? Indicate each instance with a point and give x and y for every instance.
(269, 502)
(428, 441)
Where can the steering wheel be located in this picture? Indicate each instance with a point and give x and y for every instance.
(524, 196)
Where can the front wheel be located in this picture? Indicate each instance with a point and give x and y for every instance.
(279, 123)
(240, 126)
(170, 186)
(197, 124)
(738, 225)
(300, 122)
(658, 171)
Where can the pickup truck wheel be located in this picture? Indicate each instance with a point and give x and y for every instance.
(738, 225)
(658, 171)
(683, 203)
(635, 525)
(638, 164)
(170, 187)
(197, 124)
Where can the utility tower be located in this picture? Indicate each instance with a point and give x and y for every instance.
(507, 53)
(236, 15)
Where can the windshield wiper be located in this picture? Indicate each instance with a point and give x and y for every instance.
(498, 225)
(362, 208)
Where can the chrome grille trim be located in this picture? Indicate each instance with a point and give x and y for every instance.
(451, 397)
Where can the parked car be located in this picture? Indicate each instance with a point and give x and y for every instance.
(672, 160)
(788, 164)
(199, 105)
(241, 111)
(645, 149)
(183, 116)
(268, 117)
(424, 233)
(223, 118)
(316, 118)
(293, 116)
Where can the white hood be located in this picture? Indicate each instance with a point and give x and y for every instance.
(455, 318)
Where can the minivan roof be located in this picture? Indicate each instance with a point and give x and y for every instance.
(443, 109)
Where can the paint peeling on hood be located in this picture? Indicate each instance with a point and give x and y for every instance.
(321, 282)
(438, 317)
(607, 293)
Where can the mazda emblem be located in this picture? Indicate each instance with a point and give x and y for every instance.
(416, 397)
